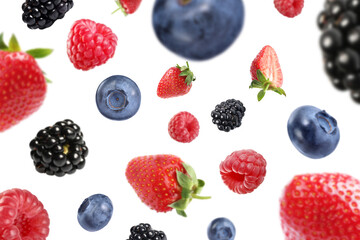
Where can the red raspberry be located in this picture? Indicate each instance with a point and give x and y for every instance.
(184, 127)
(90, 44)
(243, 171)
(289, 8)
(22, 216)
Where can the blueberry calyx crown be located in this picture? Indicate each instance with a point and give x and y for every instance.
(264, 84)
(327, 122)
(184, 2)
(116, 100)
(191, 187)
(186, 72)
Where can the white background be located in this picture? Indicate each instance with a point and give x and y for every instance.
(113, 144)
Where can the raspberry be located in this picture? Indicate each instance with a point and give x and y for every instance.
(22, 216)
(90, 44)
(289, 8)
(243, 171)
(184, 127)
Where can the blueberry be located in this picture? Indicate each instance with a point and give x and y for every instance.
(221, 229)
(313, 132)
(118, 98)
(95, 212)
(198, 29)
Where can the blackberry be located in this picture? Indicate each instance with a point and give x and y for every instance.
(340, 44)
(59, 149)
(228, 115)
(43, 13)
(143, 231)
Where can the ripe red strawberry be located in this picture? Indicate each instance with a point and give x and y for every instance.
(243, 171)
(266, 72)
(127, 6)
(289, 8)
(22, 216)
(184, 127)
(321, 207)
(90, 44)
(22, 83)
(164, 182)
(177, 81)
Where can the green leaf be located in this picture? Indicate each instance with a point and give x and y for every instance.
(256, 84)
(261, 95)
(48, 80)
(181, 204)
(3, 45)
(261, 77)
(186, 193)
(184, 180)
(39, 52)
(200, 187)
(279, 91)
(14, 44)
(181, 213)
(184, 73)
(191, 172)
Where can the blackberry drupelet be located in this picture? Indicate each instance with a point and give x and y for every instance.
(340, 44)
(228, 115)
(59, 149)
(143, 231)
(43, 13)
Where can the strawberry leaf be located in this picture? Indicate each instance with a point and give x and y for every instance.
(39, 52)
(256, 84)
(3, 45)
(191, 172)
(48, 80)
(261, 77)
(184, 180)
(279, 91)
(261, 95)
(186, 72)
(181, 213)
(201, 185)
(14, 44)
(181, 204)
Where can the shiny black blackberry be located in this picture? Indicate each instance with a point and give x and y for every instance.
(340, 44)
(228, 115)
(143, 231)
(59, 149)
(43, 13)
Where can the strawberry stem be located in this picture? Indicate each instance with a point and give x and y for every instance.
(120, 8)
(200, 197)
(186, 72)
(264, 84)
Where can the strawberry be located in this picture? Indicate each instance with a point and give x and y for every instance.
(177, 81)
(22, 83)
(321, 207)
(289, 8)
(164, 182)
(127, 6)
(266, 72)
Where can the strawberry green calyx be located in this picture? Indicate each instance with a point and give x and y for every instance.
(120, 7)
(264, 84)
(191, 187)
(14, 46)
(185, 71)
